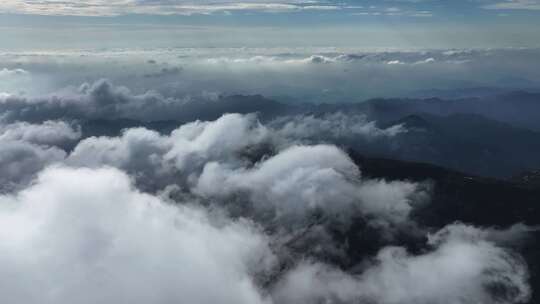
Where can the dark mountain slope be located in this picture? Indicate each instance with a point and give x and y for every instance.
(520, 109)
(459, 197)
(468, 142)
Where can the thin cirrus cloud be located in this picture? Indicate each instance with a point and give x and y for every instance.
(190, 7)
(159, 7)
(515, 5)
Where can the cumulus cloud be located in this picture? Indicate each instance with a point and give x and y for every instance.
(333, 126)
(98, 100)
(251, 170)
(323, 75)
(8, 72)
(456, 270)
(211, 161)
(25, 149)
(304, 179)
(162, 159)
(87, 236)
(232, 210)
(48, 133)
(514, 236)
(20, 161)
(103, 100)
(237, 154)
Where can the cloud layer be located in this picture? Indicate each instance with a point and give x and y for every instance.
(456, 271)
(236, 208)
(321, 75)
(86, 236)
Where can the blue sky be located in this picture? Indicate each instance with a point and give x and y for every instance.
(362, 23)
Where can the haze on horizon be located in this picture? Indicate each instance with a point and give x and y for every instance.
(269, 151)
(368, 24)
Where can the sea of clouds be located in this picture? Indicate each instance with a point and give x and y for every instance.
(300, 74)
(231, 210)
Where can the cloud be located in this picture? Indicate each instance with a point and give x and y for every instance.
(457, 270)
(319, 75)
(216, 160)
(251, 171)
(394, 11)
(164, 72)
(98, 100)
(103, 100)
(7, 72)
(231, 210)
(158, 160)
(515, 5)
(302, 180)
(51, 133)
(514, 236)
(25, 149)
(272, 208)
(158, 7)
(87, 236)
(20, 161)
(205, 162)
(333, 126)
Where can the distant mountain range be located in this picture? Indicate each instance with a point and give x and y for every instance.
(495, 136)
(521, 109)
(482, 162)
(470, 199)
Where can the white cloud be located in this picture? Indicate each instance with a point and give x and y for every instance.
(258, 71)
(458, 270)
(302, 180)
(86, 236)
(154, 158)
(20, 161)
(48, 133)
(8, 72)
(212, 160)
(25, 149)
(515, 5)
(158, 7)
(333, 126)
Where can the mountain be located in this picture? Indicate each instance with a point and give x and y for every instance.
(519, 108)
(468, 142)
(459, 134)
(243, 104)
(529, 179)
(459, 197)
(455, 197)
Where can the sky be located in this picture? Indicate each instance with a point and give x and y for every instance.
(48, 24)
(250, 189)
